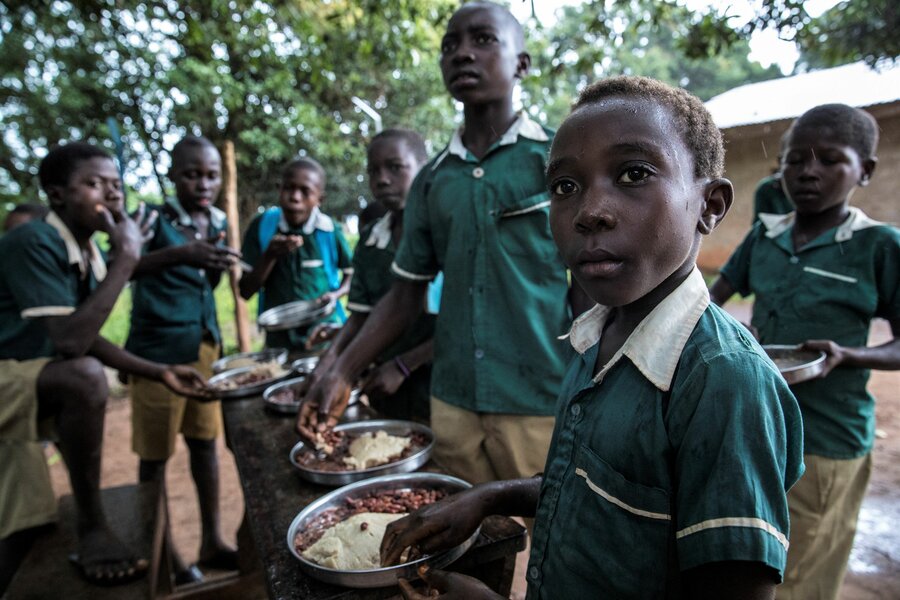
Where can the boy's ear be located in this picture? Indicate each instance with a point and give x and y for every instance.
(868, 166)
(718, 196)
(524, 64)
(55, 196)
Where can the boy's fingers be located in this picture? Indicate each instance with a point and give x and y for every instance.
(408, 591)
(107, 217)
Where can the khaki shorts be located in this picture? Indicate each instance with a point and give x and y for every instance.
(158, 414)
(481, 447)
(26, 496)
(824, 507)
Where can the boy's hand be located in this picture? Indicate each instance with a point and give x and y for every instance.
(383, 381)
(834, 354)
(281, 245)
(444, 524)
(321, 334)
(324, 405)
(145, 221)
(186, 381)
(208, 255)
(125, 238)
(446, 585)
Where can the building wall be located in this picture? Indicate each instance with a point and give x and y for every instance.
(751, 153)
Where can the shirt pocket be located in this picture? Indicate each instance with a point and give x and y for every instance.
(523, 227)
(618, 530)
(836, 287)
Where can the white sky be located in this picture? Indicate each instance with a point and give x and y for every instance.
(765, 46)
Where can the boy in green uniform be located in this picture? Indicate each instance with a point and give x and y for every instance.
(820, 275)
(55, 293)
(399, 386)
(477, 212)
(173, 320)
(676, 439)
(297, 251)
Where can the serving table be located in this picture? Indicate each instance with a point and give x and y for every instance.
(274, 493)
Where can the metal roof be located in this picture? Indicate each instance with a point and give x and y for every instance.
(789, 97)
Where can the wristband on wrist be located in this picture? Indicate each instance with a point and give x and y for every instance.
(401, 366)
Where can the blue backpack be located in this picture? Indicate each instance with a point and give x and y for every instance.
(326, 241)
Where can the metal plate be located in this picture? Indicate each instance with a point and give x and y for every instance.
(796, 365)
(235, 361)
(292, 408)
(406, 465)
(305, 365)
(384, 576)
(294, 314)
(241, 392)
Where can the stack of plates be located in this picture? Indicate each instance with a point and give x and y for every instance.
(294, 314)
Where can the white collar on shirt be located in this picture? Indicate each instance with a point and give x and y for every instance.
(522, 126)
(656, 344)
(380, 235)
(777, 224)
(316, 220)
(76, 257)
(216, 216)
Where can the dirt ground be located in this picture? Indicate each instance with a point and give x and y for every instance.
(874, 571)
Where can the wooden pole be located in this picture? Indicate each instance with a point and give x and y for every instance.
(230, 200)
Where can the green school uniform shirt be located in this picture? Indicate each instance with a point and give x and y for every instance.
(42, 274)
(677, 454)
(300, 275)
(174, 309)
(830, 289)
(484, 223)
(770, 198)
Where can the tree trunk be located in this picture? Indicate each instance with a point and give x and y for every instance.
(230, 202)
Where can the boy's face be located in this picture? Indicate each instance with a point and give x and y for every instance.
(391, 168)
(481, 55)
(301, 191)
(819, 172)
(93, 184)
(197, 177)
(626, 210)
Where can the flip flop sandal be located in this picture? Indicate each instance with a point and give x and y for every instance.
(190, 575)
(99, 576)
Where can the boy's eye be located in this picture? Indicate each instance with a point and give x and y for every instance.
(634, 175)
(562, 187)
(448, 46)
(485, 38)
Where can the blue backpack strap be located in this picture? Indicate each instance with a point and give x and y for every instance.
(435, 287)
(327, 243)
(268, 225)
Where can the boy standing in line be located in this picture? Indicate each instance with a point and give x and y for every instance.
(820, 275)
(173, 320)
(676, 439)
(477, 212)
(55, 294)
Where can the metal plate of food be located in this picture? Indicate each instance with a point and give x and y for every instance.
(354, 449)
(250, 359)
(285, 397)
(294, 314)
(305, 365)
(246, 381)
(796, 365)
(394, 494)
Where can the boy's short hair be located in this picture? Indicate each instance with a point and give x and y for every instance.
(413, 140)
(692, 120)
(189, 142)
(305, 163)
(851, 126)
(59, 164)
(511, 21)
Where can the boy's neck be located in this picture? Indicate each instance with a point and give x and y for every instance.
(81, 235)
(808, 227)
(485, 124)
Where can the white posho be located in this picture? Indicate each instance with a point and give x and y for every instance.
(371, 450)
(348, 546)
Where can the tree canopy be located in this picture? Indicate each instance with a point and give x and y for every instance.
(277, 77)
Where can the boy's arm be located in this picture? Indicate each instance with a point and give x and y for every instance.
(452, 520)
(384, 381)
(736, 580)
(720, 291)
(885, 357)
(196, 253)
(395, 312)
(281, 245)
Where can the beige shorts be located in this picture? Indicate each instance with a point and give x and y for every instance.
(824, 507)
(158, 414)
(481, 447)
(26, 496)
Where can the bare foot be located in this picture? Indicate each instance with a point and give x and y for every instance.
(105, 560)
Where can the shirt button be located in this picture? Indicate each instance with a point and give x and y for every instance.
(575, 410)
(478, 173)
(479, 354)
(794, 260)
(533, 572)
